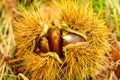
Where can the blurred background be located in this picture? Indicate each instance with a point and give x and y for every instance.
(109, 10)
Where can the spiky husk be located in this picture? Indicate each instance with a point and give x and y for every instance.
(26, 29)
(40, 67)
(83, 60)
(29, 29)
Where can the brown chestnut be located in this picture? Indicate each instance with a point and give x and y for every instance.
(54, 40)
(71, 38)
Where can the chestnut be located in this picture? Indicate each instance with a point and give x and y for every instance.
(55, 40)
(71, 38)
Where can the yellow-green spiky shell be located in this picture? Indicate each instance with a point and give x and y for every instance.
(84, 59)
(40, 67)
(81, 60)
(26, 29)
